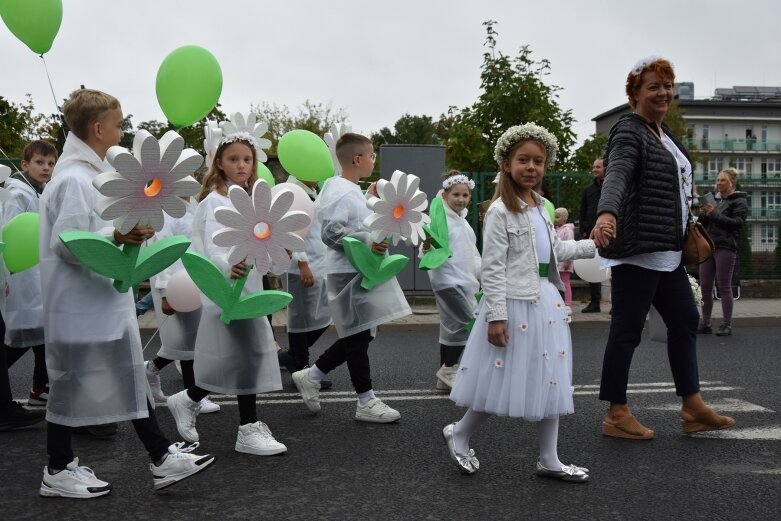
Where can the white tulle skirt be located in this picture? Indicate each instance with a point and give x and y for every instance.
(531, 378)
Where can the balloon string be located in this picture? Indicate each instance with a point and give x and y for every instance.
(54, 97)
(155, 333)
(10, 161)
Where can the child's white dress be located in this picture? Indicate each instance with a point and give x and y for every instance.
(531, 377)
(178, 331)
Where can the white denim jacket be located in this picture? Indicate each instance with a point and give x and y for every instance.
(510, 264)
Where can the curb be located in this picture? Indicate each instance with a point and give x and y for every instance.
(761, 321)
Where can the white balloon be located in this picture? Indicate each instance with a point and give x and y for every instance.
(588, 269)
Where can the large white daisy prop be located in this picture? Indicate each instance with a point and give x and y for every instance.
(5, 173)
(260, 228)
(398, 212)
(147, 182)
(331, 137)
(212, 136)
(240, 124)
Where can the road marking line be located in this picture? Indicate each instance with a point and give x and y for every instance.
(771, 432)
(653, 391)
(768, 471)
(721, 405)
(650, 384)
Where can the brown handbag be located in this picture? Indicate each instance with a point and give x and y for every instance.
(697, 246)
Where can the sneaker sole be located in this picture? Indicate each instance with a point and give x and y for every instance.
(161, 483)
(211, 410)
(374, 419)
(247, 449)
(32, 402)
(47, 491)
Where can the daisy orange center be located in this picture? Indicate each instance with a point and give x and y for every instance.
(153, 187)
(262, 230)
(398, 211)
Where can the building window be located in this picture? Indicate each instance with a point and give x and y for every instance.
(705, 136)
(769, 203)
(771, 167)
(743, 164)
(715, 165)
(763, 134)
(768, 234)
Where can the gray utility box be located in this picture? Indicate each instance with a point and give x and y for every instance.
(428, 163)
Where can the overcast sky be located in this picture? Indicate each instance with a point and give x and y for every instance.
(379, 60)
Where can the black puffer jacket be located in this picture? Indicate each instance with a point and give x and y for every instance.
(724, 224)
(642, 189)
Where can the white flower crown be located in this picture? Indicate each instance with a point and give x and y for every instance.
(518, 133)
(240, 136)
(640, 66)
(459, 179)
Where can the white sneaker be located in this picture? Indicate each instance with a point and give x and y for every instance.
(184, 411)
(309, 389)
(73, 482)
(375, 411)
(178, 464)
(256, 438)
(208, 406)
(153, 378)
(446, 377)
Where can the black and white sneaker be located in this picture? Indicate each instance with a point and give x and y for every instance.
(179, 464)
(73, 482)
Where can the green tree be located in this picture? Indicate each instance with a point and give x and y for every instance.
(513, 91)
(314, 117)
(409, 129)
(13, 125)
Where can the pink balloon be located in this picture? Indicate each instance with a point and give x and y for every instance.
(301, 202)
(182, 293)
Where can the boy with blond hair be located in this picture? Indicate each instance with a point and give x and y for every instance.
(93, 353)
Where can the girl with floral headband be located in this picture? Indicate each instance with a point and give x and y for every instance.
(518, 359)
(458, 279)
(238, 358)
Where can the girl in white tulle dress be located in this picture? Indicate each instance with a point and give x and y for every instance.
(518, 359)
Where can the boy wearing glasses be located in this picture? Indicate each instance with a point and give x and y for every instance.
(341, 209)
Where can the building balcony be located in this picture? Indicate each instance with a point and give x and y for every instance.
(732, 145)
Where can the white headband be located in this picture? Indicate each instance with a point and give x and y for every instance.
(459, 179)
(241, 136)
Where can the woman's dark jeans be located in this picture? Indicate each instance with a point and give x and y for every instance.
(634, 289)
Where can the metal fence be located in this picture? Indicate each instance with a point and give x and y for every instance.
(759, 249)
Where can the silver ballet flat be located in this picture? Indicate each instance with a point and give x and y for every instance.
(569, 473)
(468, 463)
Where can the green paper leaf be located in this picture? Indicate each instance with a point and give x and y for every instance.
(434, 258)
(257, 304)
(98, 254)
(438, 227)
(157, 257)
(471, 324)
(208, 278)
(374, 268)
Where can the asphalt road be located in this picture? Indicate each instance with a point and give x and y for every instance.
(337, 468)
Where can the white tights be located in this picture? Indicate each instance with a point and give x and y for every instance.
(547, 432)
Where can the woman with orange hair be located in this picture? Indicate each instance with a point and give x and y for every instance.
(640, 228)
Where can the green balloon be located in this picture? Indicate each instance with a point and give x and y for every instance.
(20, 236)
(265, 174)
(305, 155)
(189, 84)
(34, 22)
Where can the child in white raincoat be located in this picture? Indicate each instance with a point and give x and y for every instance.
(93, 347)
